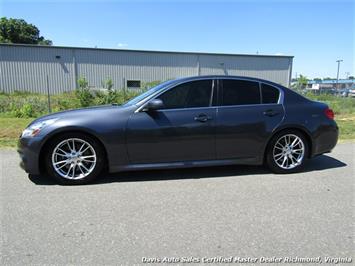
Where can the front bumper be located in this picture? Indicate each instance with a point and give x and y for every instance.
(29, 150)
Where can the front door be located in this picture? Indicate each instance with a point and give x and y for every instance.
(183, 130)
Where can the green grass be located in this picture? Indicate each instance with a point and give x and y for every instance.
(346, 125)
(10, 130)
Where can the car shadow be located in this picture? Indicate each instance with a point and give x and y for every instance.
(322, 162)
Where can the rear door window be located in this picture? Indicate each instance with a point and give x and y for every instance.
(240, 92)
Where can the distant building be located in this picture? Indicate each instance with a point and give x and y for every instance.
(40, 68)
(330, 84)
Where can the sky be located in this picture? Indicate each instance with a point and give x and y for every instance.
(316, 33)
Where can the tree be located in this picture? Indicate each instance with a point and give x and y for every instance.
(19, 31)
(351, 77)
(302, 81)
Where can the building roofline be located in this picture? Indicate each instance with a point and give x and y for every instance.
(331, 81)
(143, 51)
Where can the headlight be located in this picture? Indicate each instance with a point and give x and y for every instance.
(35, 128)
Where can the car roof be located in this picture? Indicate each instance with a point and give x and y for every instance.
(192, 78)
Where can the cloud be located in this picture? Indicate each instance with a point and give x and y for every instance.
(122, 45)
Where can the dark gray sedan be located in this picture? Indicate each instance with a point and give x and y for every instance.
(189, 122)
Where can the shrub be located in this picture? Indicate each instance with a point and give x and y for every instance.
(83, 83)
(24, 93)
(107, 95)
(26, 111)
(148, 85)
(35, 104)
(85, 97)
(65, 104)
(83, 93)
(108, 84)
(111, 95)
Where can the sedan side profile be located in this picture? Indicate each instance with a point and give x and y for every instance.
(188, 122)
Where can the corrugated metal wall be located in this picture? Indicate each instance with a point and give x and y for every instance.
(37, 68)
(276, 69)
(27, 68)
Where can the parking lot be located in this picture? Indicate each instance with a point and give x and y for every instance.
(125, 218)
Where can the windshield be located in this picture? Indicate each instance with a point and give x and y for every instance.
(149, 92)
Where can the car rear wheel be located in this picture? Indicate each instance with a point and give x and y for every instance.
(287, 152)
(73, 159)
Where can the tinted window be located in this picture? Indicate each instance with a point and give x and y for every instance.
(240, 92)
(269, 94)
(188, 95)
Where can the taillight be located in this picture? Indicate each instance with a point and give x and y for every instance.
(329, 113)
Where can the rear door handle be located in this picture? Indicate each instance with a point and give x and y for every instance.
(202, 118)
(270, 113)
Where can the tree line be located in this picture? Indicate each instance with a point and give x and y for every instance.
(19, 31)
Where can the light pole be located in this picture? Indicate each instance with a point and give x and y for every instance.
(338, 61)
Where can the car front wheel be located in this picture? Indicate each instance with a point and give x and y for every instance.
(287, 152)
(73, 159)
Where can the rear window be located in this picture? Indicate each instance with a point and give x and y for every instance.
(240, 92)
(270, 94)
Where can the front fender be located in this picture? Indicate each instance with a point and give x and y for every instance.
(109, 132)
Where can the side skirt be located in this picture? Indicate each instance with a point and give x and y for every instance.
(185, 164)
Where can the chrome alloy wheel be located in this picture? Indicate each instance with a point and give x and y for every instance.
(73, 158)
(288, 151)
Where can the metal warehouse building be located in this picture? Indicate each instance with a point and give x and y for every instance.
(38, 68)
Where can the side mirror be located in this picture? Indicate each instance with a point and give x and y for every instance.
(153, 105)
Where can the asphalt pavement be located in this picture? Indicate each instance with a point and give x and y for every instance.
(205, 215)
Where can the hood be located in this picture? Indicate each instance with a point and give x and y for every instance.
(82, 112)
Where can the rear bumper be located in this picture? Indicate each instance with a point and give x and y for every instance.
(325, 139)
(28, 150)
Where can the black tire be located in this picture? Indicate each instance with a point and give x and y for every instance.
(96, 169)
(270, 160)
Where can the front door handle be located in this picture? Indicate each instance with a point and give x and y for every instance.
(270, 112)
(202, 118)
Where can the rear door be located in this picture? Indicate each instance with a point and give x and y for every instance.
(244, 120)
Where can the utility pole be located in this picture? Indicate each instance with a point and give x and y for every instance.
(297, 82)
(48, 97)
(338, 61)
